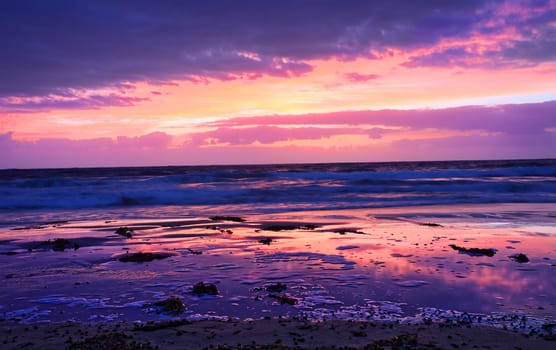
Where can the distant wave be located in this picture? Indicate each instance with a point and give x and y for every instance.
(284, 186)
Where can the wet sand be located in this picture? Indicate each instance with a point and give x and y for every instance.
(455, 276)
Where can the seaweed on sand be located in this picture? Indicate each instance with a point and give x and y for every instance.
(171, 306)
(474, 251)
(430, 224)
(284, 299)
(343, 231)
(201, 288)
(276, 288)
(266, 241)
(114, 340)
(227, 218)
(520, 258)
(144, 257)
(289, 227)
(124, 231)
(61, 244)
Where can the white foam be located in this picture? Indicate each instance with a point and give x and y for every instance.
(411, 283)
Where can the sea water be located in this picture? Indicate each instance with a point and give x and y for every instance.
(274, 188)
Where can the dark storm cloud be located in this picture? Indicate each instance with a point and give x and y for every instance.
(50, 46)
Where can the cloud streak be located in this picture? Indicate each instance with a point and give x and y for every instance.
(59, 45)
(522, 131)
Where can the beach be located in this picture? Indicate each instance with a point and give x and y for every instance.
(192, 276)
(264, 334)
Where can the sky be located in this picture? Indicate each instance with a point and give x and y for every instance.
(132, 83)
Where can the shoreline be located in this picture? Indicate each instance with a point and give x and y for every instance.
(439, 277)
(264, 334)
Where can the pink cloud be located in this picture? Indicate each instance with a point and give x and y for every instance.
(510, 131)
(267, 134)
(355, 77)
(513, 119)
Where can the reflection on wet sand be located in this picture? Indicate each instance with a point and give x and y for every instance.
(326, 261)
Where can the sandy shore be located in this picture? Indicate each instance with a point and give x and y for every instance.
(456, 278)
(263, 334)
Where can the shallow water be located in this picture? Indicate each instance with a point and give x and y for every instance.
(376, 263)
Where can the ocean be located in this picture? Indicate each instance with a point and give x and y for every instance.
(273, 188)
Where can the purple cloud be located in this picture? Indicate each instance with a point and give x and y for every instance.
(529, 26)
(53, 46)
(66, 100)
(512, 119)
(267, 134)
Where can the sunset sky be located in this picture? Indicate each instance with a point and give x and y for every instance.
(118, 83)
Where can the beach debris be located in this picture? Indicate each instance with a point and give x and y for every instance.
(124, 231)
(113, 340)
(284, 299)
(430, 224)
(194, 252)
(58, 245)
(276, 288)
(288, 227)
(56, 222)
(171, 306)
(474, 251)
(202, 288)
(9, 253)
(347, 247)
(61, 244)
(154, 326)
(402, 341)
(343, 231)
(520, 258)
(227, 218)
(41, 226)
(34, 227)
(266, 241)
(144, 257)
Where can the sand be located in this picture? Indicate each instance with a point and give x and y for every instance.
(422, 277)
(263, 334)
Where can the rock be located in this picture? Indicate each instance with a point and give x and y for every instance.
(202, 288)
(172, 306)
(227, 218)
(276, 288)
(124, 231)
(343, 231)
(266, 241)
(144, 257)
(430, 224)
(194, 252)
(289, 227)
(474, 251)
(520, 258)
(60, 244)
(284, 299)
